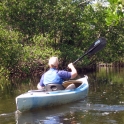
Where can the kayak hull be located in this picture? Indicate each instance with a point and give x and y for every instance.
(34, 99)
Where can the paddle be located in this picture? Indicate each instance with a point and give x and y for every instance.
(95, 47)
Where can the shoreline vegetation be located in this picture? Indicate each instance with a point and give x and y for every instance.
(32, 31)
(39, 70)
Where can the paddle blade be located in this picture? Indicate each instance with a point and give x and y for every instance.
(96, 46)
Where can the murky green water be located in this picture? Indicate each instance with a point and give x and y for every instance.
(104, 104)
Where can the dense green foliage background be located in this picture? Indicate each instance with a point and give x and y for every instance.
(33, 30)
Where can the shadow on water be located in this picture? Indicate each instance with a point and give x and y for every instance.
(104, 104)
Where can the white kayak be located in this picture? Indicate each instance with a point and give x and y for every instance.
(39, 99)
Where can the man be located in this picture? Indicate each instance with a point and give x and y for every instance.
(54, 76)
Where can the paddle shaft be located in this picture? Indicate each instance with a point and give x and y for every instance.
(95, 47)
(80, 58)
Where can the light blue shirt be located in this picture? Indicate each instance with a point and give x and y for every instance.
(54, 76)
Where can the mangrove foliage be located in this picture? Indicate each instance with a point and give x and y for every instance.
(33, 30)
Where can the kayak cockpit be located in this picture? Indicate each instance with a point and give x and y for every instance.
(55, 87)
(70, 84)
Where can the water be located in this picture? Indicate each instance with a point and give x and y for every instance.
(104, 104)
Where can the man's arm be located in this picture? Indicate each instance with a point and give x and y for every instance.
(41, 85)
(73, 70)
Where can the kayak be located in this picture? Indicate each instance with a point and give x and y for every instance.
(40, 99)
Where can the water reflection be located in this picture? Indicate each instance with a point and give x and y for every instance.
(56, 115)
(74, 113)
(104, 104)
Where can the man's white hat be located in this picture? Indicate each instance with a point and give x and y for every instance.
(53, 61)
